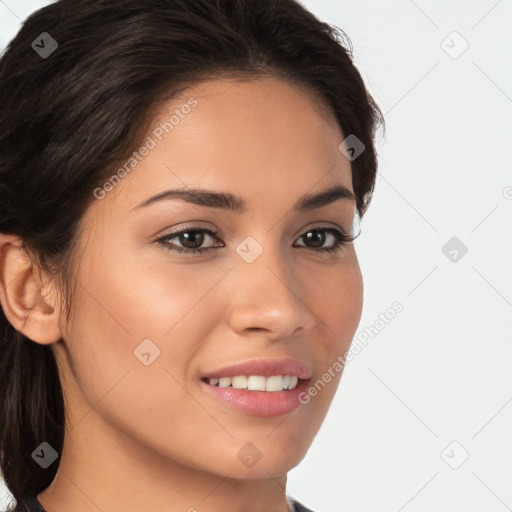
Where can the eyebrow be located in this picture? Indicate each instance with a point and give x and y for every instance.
(236, 204)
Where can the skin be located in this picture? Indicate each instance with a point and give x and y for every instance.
(147, 437)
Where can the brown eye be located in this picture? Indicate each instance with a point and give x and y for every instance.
(316, 238)
(190, 239)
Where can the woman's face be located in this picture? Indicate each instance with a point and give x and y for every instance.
(150, 322)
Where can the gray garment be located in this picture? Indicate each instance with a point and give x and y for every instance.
(295, 506)
(33, 505)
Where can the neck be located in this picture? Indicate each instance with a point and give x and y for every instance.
(132, 478)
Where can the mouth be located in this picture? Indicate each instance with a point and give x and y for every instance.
(270, 402)
(258, 387)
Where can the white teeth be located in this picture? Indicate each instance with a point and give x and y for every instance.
(274, 383)
(224, 382)
(257, 382)
(239, 382)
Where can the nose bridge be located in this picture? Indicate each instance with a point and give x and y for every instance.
(268, 292)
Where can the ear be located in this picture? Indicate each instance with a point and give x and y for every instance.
(28, 307)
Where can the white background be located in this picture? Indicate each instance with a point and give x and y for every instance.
(440, 371)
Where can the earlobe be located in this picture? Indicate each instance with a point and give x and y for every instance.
(21, 294)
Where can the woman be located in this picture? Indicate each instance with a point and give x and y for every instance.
(181, 185)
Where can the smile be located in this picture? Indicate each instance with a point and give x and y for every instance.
(256, 382)
(275, 401)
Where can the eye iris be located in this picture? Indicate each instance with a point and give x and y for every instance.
(194, 237)
(317, 237)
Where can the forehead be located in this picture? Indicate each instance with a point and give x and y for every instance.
(255, 138)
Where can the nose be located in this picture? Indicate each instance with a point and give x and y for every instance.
(268, 297)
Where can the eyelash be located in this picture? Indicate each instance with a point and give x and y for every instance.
(341, 240)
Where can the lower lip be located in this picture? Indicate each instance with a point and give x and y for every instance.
(259, 403)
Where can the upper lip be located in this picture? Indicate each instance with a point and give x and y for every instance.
(264, 367)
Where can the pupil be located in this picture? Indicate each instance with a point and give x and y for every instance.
(196, 237)
(317, 237)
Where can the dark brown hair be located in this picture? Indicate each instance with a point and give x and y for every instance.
(67, 120)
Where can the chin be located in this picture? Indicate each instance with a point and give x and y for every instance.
(270, 463)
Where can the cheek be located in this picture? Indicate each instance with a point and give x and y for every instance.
(122, 305)
(119, 310)
(139, 300)
(336, 300)
(160, 297)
